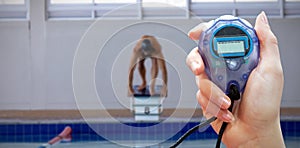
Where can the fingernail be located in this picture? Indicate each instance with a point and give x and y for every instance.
(264, 18)
(190, 34)
(228, 117)
(195, 66)
(226, 101)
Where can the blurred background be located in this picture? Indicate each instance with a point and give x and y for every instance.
(40, 39)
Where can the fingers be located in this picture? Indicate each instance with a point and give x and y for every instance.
(211, 109)
(269, 51)
(195, 33)
(213, 93)
(130, 93)
(194, 62)
(164, 92)
(213, 101)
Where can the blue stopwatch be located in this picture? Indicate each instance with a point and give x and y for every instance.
(230, 51)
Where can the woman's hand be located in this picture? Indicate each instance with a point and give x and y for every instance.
(255, 121)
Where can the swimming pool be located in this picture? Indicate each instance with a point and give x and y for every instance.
(15, 135)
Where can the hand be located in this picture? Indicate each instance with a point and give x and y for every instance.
(164, 91)
(255, 120)
(130, 92)
(152, 90)
(142, 87)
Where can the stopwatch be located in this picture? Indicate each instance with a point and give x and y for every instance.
(230, 51)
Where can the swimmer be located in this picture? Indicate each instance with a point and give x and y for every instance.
(255, 120)
(148, 47)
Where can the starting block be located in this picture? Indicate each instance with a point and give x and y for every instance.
(146, 107)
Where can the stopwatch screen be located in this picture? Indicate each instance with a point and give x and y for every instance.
(231, 48)
(230, 42)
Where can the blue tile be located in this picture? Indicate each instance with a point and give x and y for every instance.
(83, 132)
(3, 138)
(3, 129)
(10, 129)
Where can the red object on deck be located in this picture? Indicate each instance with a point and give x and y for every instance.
(65, 135)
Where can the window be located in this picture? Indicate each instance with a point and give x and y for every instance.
(234, 0)
(164, 8)
(71, 1)
(12, 2)
(242, 8)
(90, 1)
(292, 8)
(164, 3)
(115, 1)
(256, 1)
(13, 9)
(207, 1)
(92, 9)
(116, 8)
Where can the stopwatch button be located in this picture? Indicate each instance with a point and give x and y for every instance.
(255, 39)
(220, 78)
(232, 64)
(245, 76)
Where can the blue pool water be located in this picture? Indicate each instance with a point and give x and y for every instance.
(32, 135)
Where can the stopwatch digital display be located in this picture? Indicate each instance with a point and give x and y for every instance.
(230, 46)
(230, 51)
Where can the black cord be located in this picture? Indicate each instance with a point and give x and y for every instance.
(201, 125)
(233, 94)
(222, 129)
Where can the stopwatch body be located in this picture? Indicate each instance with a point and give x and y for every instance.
(230, 51)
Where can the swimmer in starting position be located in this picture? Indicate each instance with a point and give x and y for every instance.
(146, 47)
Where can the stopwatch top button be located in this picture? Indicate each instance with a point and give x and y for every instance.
(227, 17)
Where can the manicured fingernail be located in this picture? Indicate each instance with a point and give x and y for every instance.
(190, 33)
(228, 117)
(195, 66)
(264, 18)
(225, 101)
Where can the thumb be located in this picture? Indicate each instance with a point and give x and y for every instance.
(269, 51)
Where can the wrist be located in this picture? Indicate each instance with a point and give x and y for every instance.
(270, 136)
(270, 141)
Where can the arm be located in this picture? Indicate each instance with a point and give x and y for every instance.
(154, 73)
(162, 67)
(160, 62)
(132, 66)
